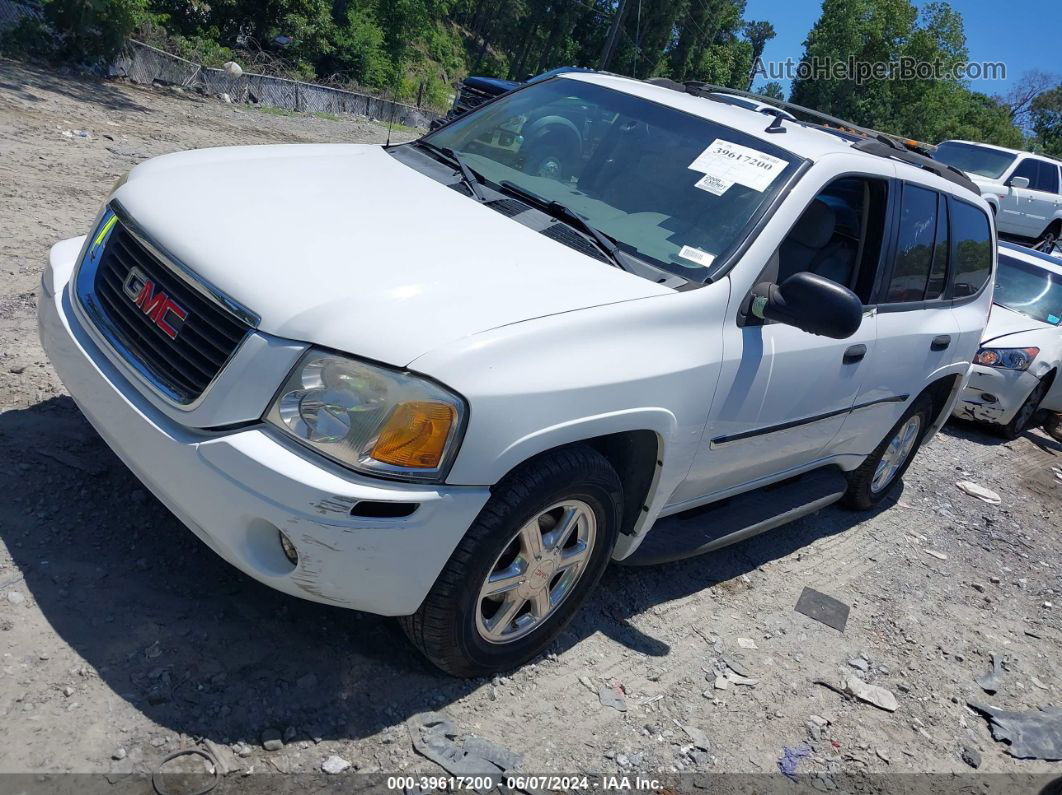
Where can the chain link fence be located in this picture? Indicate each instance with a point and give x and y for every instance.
(142, 63)
(11, 12)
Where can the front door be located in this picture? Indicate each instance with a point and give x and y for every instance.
(783, 393)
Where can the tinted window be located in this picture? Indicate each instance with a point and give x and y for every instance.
(971, 248)
(938, 274)
(914, 246)
(1048, 177)
(1029, 169)
(974, 159)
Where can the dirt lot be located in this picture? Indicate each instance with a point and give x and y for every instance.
(124, 639)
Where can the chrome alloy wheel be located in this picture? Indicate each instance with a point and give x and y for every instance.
(536, 571)
(896, 453)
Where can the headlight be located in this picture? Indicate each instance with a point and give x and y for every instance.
(1006, 358)
(369, 418)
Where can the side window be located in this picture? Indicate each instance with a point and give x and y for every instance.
(971, 238)
(938, 274)
(1027, 168)
(1048, 177)
(838, 236)
(914, 245)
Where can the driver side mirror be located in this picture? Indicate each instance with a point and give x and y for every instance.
(811, 303)
(1018, 182)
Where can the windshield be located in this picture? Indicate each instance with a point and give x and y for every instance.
(974, 159)
(1028, 289)
(674, 189)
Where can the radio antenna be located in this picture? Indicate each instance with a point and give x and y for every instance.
(391, 121)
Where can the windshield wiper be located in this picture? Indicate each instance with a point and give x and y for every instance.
(468, 176)
(559, 211)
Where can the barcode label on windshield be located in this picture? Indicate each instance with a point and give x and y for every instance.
(702, 258)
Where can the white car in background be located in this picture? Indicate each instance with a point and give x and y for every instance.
(1025, 190)
(1015, 371)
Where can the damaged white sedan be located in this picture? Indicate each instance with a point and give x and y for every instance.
(1015, 371)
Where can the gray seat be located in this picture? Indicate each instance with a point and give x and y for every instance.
(812, 246)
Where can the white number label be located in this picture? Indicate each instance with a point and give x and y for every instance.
(725, 163)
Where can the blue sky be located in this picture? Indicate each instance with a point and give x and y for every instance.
(1015, 32)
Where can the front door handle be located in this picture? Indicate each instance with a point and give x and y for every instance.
(940, 343)
(855, 354)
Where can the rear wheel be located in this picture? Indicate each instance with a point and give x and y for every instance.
(1023, 420)
(884, 468)
(1048, 240)
(525, 566)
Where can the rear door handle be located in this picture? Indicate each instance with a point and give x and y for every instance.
(940, 343)
(855, 354)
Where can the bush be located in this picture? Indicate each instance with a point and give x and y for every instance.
(82, 30)
(29, 38)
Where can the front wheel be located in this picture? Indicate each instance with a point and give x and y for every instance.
(883, 469)
(1023, 419)
(534, 553)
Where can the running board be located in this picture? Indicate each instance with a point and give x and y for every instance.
(718, 524)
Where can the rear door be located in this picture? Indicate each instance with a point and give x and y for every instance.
(917, 331)
(1017, 205)
(1043, 197)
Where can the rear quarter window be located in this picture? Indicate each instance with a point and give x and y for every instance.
(971, 235)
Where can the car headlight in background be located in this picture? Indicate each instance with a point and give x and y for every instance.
(370, 418)
(1006, 358)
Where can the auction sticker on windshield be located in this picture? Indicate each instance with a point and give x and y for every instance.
(724, 163)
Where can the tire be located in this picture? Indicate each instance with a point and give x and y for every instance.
(452, 626)
(1048, 240)
(862, 492)
(1023, 419)
(1053, 426)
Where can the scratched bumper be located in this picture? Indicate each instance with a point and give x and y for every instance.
(235, 490)
(1010, 388)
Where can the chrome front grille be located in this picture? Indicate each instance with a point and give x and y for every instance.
(174, 333)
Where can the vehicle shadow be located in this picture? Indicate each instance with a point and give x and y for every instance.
(206, 651)
(28, 82)
(970, 431)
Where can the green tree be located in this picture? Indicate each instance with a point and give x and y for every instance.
(922, 96)
(758, 34)
(772, 89)
(1046, 118)
(92, 30)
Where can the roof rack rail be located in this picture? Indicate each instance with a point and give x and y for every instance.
(874, 141)
(699, 88)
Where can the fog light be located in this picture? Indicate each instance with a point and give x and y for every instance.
(987, 398)
(290, 552)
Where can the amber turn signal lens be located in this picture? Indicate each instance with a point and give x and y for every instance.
(415, 435)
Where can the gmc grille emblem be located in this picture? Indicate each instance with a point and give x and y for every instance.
(160, 309)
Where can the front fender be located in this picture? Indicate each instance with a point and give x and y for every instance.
(650, 364)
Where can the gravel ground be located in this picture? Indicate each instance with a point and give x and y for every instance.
(123, 639)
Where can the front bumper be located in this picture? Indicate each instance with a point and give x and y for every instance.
(994, 395)
(235, 490)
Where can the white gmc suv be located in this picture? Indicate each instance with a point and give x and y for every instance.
(450, 380)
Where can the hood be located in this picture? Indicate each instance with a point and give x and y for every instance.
(1003, 322)
(345, 247)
